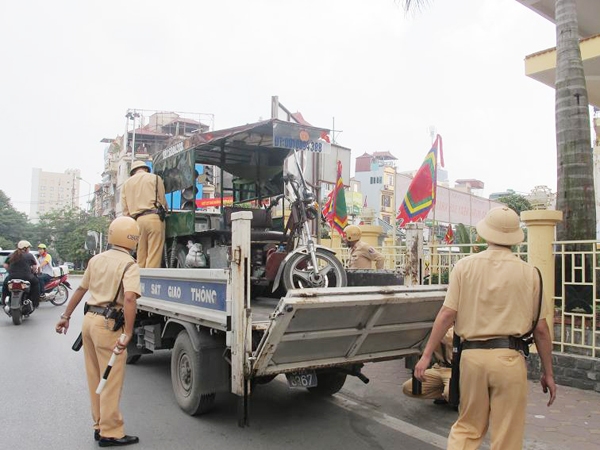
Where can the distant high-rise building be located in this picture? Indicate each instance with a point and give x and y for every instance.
(53, 191)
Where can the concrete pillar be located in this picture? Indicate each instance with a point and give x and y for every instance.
(370, 234)
(414, 254)
(541, 225)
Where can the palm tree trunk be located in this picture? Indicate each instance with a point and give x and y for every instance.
(575, 170)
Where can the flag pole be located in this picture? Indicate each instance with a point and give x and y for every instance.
(433, 139)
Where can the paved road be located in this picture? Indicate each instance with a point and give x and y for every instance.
(44, 404)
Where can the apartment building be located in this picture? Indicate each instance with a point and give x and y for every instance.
(53, 191)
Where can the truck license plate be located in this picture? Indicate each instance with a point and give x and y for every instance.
(302, 379)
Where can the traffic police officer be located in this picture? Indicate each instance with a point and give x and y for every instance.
(436, 383)
(361, 253)
(111, 275)
(142, 196)
(493, 298)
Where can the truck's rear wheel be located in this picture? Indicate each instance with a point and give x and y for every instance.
(328, 383)
(185, 376)
(133, 359)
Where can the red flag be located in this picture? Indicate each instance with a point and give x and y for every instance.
(365, 202)
(449, 238)
(334, 210)
(421, 194)
(327, 206)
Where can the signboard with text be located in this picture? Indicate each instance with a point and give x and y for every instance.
(296, 137)
(206, 294)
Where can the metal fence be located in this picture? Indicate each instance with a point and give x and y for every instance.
(576, 297)
(576, 302)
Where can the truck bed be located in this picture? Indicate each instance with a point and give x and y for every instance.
(308, 328)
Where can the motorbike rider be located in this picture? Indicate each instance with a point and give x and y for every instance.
(45, 267)
(22, 265)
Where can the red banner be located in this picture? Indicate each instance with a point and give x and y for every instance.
(207, 202)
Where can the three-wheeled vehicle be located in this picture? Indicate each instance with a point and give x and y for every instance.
(252, 177)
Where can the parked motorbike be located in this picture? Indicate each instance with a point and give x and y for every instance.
(17, 303)
(300, 262)
(56, 291)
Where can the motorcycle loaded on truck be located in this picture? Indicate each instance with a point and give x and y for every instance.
(246, 293)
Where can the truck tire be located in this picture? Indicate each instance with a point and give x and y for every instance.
(185, 376)
(328, 383)
(133, 359)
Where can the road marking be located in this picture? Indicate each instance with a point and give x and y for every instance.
(389, 421)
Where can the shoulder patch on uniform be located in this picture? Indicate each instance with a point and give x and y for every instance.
(371, 250)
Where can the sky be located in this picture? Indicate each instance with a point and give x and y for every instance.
(71, 70)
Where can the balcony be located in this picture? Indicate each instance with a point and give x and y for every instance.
(541, 66)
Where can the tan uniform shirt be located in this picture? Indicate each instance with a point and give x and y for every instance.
(495, 294)
(361, 255)
(103, 276)
(139, 193)
(443, 352)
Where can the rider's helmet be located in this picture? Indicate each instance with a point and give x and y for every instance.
(22, 245)
(124, 232)
(42, 246)
(136, 165)
(353, 233)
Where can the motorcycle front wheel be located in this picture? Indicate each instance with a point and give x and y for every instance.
(62, 295)
(299, 271)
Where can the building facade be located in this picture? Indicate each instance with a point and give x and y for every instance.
(53, 191)
(147, 133)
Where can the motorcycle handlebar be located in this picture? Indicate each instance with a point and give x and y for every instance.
(303, 192)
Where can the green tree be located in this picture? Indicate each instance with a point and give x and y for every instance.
(575, 177)
(516, 202)
(66, 230)
(13, 224)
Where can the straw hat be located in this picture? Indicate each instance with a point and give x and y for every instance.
(501, 226)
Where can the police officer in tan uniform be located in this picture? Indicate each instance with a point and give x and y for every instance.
(493, 297)
(361, 253)
(103, 277)
(141, 196)
(436, 383)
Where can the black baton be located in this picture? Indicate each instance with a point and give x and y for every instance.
(78, 343)
(454, 394)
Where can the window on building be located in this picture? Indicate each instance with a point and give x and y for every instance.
(389, 180)
(386, 201)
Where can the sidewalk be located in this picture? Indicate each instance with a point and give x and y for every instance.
(572, 422)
